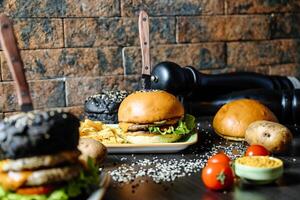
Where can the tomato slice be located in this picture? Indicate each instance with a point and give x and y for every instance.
(45, 189)
(257, 150)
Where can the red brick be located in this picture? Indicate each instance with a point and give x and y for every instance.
(2, 97)
(174, 8)
(250, 27)
(285, 26)
(262, 53)
(201, 56)
(45, 94)
(78, 89)
(78, 111)
(258, 69)
(94, 32)
(264, 69)
(291, 69)
(285, 70)
(261, 6)
(53, 63)
(39, 33)
(92, 8)
(222, 28)
(30, 8)
(198, 29)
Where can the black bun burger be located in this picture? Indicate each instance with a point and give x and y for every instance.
(154, 116)
(39, 157)
(104, 106)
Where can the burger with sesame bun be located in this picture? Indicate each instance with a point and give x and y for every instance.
(154, 116)
(39, 158)
(104, 106)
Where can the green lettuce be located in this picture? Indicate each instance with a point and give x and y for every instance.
(85, 183)
(185, 126)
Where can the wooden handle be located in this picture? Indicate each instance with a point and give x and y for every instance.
(14, 61)
(145, 43)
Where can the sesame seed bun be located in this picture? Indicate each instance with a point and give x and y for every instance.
(232, 120)
(145, 107)
(38, 133)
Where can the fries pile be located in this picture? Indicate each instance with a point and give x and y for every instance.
(101, 132)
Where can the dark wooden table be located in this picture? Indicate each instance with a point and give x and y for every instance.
(191, 187)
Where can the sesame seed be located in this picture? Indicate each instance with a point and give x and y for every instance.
(169, 169)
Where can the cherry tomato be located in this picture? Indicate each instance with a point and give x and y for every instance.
(219, 158)
(35, 190)
(217, 176)
(257, 150)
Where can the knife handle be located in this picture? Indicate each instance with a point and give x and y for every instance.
(145, 42)
(14, 61)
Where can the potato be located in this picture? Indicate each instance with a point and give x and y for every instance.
(273, 136)
(93, 149)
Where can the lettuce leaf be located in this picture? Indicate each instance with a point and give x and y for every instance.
(190, 121)
(58, 194)
(85, 183)
(12, 196)
(185, 126)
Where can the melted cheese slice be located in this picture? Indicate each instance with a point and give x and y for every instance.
(2, 164)
(124, 126)
(14, 180)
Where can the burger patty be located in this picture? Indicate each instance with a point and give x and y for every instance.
(140, 133)
(37, 162)
(54, 175)
(145, 127)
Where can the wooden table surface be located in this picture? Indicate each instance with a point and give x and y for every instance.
(191, 187)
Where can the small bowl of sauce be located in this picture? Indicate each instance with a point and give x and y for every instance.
(258, 169)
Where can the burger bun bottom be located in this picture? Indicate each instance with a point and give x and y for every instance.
(146, 138)
(233, 138)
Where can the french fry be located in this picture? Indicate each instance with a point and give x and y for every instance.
(101, 132)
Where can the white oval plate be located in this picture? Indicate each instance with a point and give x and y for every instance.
(152, 148)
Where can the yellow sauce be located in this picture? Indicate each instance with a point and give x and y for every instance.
(259, 161)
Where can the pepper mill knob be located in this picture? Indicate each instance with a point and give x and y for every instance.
(171, 77)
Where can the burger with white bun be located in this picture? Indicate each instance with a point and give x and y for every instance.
(154, 116)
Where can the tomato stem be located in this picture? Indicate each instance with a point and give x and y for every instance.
(221, 177)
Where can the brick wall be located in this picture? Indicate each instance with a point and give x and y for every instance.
(75, 48)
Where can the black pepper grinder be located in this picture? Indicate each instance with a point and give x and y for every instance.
(188, 82)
